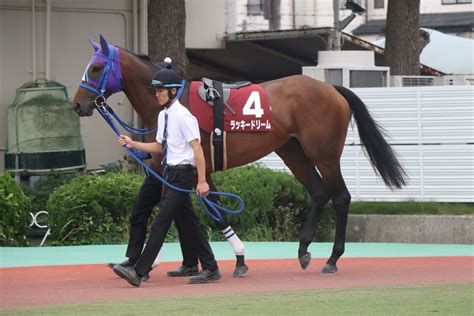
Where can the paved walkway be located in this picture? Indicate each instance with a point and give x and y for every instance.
(46, 256)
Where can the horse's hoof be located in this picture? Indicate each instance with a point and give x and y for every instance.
(305, 260)
(240, 271)
(329, 269)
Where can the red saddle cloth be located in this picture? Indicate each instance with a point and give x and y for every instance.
(250, 104)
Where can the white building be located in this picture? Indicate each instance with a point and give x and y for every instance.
(448, 16)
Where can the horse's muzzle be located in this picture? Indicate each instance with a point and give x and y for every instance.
(80, 111)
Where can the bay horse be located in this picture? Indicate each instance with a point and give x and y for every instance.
(310, 122)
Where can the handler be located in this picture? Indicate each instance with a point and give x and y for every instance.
(148, 197)
(178, 142)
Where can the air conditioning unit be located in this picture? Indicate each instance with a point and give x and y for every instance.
(458, 80)
(352, 69)
(412, 81)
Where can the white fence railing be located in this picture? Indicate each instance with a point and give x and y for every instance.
(432, 131)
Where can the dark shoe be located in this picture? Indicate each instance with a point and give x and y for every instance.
(125, 263)
(129, 274)
(183, 271)
(146, 277)
(206, 276)
(240, 271)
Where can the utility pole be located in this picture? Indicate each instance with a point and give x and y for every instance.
(271, 12)
(336, 33)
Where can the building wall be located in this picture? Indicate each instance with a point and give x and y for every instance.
(72, 22)
(426, 7)
(294, 14)
(319, 13)
(205, 32)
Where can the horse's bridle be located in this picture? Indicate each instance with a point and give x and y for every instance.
(100, 86)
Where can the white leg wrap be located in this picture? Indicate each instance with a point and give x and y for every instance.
(234, 240)
(157, 261)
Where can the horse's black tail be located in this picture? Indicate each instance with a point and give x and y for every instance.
(381, 155)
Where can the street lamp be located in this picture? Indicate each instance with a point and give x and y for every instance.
(356, 9)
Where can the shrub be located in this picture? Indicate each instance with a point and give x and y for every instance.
(41, 191)
(93, 209)
(14, 215)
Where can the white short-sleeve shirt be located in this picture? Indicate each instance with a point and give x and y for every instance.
(182, 129)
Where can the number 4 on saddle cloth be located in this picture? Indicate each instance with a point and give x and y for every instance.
(221, 108)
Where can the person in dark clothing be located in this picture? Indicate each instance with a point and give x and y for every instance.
(178, 142)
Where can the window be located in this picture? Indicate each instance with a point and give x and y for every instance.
(455, 1)
(367, 78)
(254, 7)
(379, 4)
(334, 76)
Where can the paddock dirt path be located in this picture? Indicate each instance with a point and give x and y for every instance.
(44, 285)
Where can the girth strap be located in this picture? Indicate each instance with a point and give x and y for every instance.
(218, 132)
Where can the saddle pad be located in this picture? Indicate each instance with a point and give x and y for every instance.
(250, 104)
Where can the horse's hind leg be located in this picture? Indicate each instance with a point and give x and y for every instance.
(341, 198)
(237, 245)
(303, 169)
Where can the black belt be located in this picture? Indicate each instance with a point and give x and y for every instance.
(182, 167)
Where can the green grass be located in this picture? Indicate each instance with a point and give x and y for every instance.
(412, 208)
(452, 299)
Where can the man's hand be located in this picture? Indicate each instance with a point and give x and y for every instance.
(125, 141)
(202, 188)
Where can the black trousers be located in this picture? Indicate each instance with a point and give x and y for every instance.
(148, 197)
(177, 206)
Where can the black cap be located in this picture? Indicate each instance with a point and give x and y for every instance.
(166, 78)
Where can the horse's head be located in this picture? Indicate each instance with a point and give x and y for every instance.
(102, 78)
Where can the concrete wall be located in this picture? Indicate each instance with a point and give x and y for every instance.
(430, 229)
(23, 52)
(23, 58)
(205, 32)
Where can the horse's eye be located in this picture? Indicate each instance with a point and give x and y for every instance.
(96, 68)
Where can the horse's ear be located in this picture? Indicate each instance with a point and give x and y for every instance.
(94, 44)
(104, 46)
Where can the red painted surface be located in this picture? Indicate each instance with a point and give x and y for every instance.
(239, 121)
(32, 286)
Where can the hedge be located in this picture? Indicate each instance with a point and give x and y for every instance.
(96, 209)
(14, 215)
(93, 209)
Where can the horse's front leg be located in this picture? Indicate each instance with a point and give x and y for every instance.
(237, 245)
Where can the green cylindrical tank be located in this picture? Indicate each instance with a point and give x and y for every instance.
(43, 132)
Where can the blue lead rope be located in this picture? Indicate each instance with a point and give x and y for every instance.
(203, 201)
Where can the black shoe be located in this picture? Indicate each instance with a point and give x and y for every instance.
(206, 276)
(125, 263)
(146, 277)
(183, 271)
(129, 274)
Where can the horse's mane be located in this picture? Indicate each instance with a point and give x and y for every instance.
(144, 58)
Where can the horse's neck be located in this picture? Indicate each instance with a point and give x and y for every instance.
(137, 77)
(144, 104)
